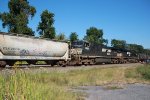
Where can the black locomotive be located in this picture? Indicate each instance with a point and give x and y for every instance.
(85, 53)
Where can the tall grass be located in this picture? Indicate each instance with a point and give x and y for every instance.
(140, 72)
(144, 71)
(25, 86)
(54, 85)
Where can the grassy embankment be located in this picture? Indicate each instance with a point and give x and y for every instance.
(20, 85)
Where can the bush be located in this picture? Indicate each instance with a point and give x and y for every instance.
(131, 73)
(144, 71)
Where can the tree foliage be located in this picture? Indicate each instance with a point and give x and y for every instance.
(94, 35)
(73, 36)
(118, 43)
(45, 27)
(147, 51)
(60, 36)
(135, 47)
(17, 18)
(105, 42)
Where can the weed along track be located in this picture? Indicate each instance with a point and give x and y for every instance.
(67, 68)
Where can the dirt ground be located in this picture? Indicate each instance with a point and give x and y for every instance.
(127, 92)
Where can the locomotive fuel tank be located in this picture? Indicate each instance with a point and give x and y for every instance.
(17, 47)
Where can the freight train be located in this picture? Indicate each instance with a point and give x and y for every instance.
(14, 47)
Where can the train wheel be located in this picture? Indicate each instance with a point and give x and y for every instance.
(116, 62)
(94, 61)
(112, 62)
(54, 63)
(32, 62)
(125, 61)
(10, 63)
(2, 64)
(59, 63)
(62, 63)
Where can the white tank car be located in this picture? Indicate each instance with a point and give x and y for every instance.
(24, 48)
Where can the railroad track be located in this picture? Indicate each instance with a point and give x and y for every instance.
(49, 67)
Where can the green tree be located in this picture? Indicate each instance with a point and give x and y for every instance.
(17, 18)
(118, 43)
(105, 41)
(94, 35)
(45, 27)
(60, 36)
(147, 51)
(135, 47)
(73, 36)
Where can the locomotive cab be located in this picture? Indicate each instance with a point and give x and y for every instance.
(80, 44)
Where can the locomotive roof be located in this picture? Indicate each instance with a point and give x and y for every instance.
(120, 49)
(107, 47)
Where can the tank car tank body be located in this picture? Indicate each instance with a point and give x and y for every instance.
(13, 48)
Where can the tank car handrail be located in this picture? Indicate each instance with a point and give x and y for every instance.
(33, 37)
(36, 37)
(21, 35)
(41, 37)
(27, 36)
(47, 38)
